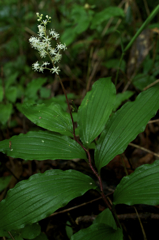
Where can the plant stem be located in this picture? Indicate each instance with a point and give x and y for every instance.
(63, 88)
(90, 161)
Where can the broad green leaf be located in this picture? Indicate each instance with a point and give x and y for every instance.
(124, 125)
(5, 112)
(140, 187)
(120, 97)
(106, 14)
(49, 116)
(38, 197)
(107, 218)
(42, 145)
(11, 94)
(95, 109)
(98, 231)
(33, 87)
(4, 181)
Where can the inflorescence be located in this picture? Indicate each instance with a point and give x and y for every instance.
(42, 44)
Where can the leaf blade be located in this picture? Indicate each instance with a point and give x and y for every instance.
(124, 125)
(42, 145)
(98, 231)
(38, 197)
(49, 116)
(95, 109)
(140, 187)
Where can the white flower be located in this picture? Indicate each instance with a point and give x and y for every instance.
(45, 64)
(43, 53)
(42, 44)
(54, 34)
(61, 46)
(52, 51)
(55, 70)
(45, 22)
(41, 30)
(36, 66)
(41, 69)
(57, 58)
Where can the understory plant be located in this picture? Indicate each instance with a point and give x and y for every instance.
(65, 137)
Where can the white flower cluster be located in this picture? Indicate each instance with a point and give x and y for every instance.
(42, 44)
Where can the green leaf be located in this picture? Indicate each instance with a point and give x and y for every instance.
(49, 116)
(30, 231)
(125, 125)
(4, 181)
(11, 79)
(141, 80)
(69, 230)
(107, 218)
(95, 109)
(4, 233)
(68, 36)
(140, 187)
(11, 94)
(45, 92)
(98, 231)
(33, 87)
(120, 97)
(5, 110)
(38, 197)
(106, 14)
(42, 145)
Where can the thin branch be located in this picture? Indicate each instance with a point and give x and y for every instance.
(144, 149)
(153, 121)
(78, 206)
(141, 225)
(152, 84)
(11, 235)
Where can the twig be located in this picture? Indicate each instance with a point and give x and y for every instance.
(153, 121)
(11, 235)
(141, 225)
(78, 206)
(150, 85)
(144, 149)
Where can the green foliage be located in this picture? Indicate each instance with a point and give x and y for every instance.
(140, 187)
(42, 145)
(6, 110)
(124, 125)
(49, 116)
(95, 110)
(41, 195)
